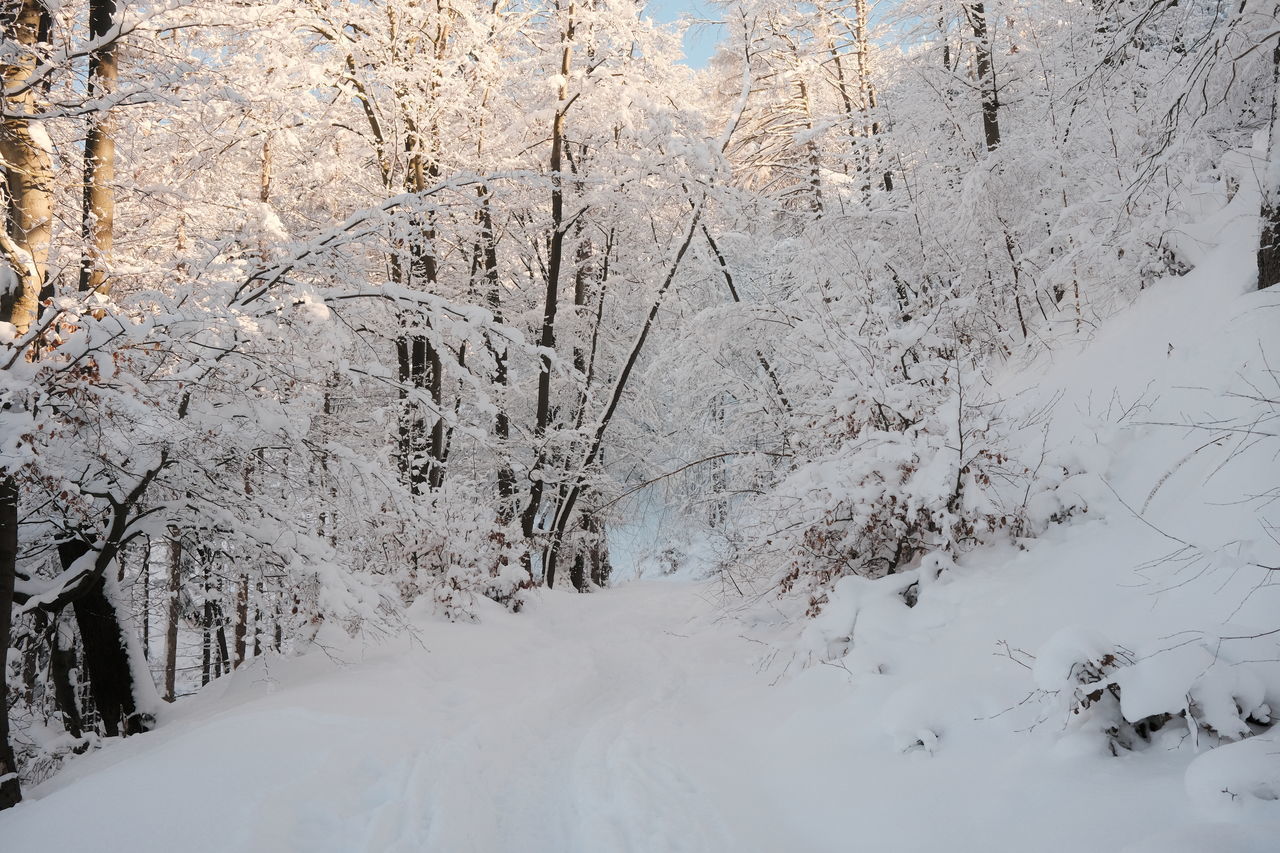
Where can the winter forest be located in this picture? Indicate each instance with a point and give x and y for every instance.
(900, 390)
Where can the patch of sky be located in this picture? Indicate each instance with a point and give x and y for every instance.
(703, 33)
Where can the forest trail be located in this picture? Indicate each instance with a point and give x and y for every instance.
(634, 719)
(592, 723)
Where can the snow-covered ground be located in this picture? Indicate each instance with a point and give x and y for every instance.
(667, 716)
(638, 719)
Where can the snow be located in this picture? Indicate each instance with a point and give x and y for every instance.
(666, 716)
(1238, 775)
(640, 718)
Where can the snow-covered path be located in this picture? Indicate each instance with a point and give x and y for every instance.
(637, 719)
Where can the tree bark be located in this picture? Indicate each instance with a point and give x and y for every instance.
(811, 146)
(224, 657)
(24, 241)
(870, 98)
(596, 550)
(977, 16)
(28, 174)
(99, 151)
(107, 661)
(501, 420)
(242, 620)
(206, 637)
(146, 599)
(61, 662)
(10, 790)
(171, 617)
(1269, 241)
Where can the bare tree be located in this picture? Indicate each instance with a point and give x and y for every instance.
(1269, 241)
(555, 258)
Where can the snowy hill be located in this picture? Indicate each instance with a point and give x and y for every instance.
(673, 716)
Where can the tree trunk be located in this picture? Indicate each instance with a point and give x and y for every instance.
(420, 450)
(977, 16)
(811, 146)
(107, 660)
(24, 241)
(555, 256)
(10, 790)
(206, 637)
(597, 549)
(28, 171)
(865, 84)
(1269, 241)
(846, 100)
(99, 152)
(29, 649)
(501, 421)
(61, 661)
(425, 366)
(257, 622)
(171, 618)
(224, 657)
(146, 599)
(437, 443)
(242, 620)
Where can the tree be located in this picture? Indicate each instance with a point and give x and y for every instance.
(97, 216)
(1269, 241)
(10, 791)
(976, 15)
(25, 241)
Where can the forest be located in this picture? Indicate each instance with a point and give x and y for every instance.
(340, 325)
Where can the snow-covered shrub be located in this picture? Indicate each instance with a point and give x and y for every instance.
(1061, 486)
(855, 602)
(1076, 668)
(1103, 687)
(461, 552)
(909, 459)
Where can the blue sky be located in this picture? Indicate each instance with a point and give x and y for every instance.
(699, 40)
